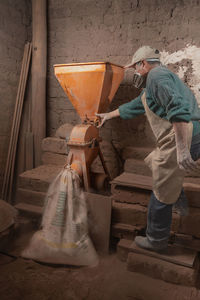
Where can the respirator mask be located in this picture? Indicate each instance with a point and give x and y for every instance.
(138, 79)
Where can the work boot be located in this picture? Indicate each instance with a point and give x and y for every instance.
(144, 243)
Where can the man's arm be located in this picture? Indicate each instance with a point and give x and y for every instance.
(184, 159)
(125, 111)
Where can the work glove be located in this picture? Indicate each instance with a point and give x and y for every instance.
(103, 118)
(107, 116)
(184, 159)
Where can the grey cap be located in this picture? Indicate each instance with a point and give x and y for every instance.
(144, 53)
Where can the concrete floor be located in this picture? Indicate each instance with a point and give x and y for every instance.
(28, 280)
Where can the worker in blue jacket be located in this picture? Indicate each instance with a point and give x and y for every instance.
(173, 114)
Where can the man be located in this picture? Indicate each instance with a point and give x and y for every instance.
(173, 114)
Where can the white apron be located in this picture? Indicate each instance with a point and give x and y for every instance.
(167, 177)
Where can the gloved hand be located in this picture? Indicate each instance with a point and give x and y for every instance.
(103, 118)
(107, 116)
(184, 159)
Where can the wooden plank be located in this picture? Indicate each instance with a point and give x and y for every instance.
(8, 175)
(99, 220)
(18, 120)
(8, 161)
(38, 69)
(28, 151)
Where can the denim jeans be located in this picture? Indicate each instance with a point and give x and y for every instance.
(159, 216)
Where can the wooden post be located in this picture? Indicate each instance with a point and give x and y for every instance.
(39, 62)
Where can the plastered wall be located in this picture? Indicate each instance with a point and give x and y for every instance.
(15, 18)
(111, 30)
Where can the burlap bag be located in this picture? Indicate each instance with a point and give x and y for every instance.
(63, 238)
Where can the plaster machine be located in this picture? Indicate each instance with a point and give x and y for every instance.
(90, 87)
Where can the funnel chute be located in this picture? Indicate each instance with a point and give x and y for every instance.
(89, 86)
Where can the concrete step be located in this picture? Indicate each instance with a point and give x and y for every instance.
(176, 265)
(38, 179)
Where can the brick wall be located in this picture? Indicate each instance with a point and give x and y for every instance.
(111, 30)
(15, 16)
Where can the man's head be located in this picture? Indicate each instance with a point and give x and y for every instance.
(144, 59)
(146, 53)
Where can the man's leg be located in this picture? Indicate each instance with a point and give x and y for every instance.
(159, 220)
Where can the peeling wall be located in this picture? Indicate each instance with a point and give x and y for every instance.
(15, 19)
(187, 65)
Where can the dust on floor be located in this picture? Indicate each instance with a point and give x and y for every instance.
(28, 280)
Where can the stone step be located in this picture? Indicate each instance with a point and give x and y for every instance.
(186, 241)
(136, 166)
(177, 264)
(130, 214)
(49, 158)
(174, 253)
(190, 224)
(31, 213)
(29, 210)
(55, 145)
(128, 181)
(30, 197)
(136, 215)
(136, 152)
(99, 208)
(130, 195)
(125, 231)
(38, 179)
(162, 270)
(145, 182)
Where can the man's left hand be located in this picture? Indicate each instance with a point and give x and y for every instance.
(185, 161)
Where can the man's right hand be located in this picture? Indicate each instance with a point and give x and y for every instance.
(103, 118)
(107, 116)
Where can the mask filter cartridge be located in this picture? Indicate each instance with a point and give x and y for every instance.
(137, 80)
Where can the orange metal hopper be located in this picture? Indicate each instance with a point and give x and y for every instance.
(89, 86)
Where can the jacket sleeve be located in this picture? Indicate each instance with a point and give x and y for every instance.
(132, 109)
(172, 99)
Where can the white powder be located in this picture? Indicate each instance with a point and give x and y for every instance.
(192, 53)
